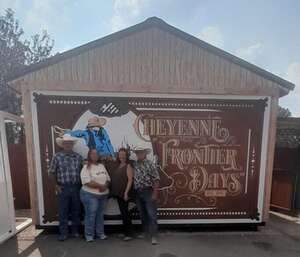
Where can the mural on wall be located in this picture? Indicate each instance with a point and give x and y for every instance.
(207, 150)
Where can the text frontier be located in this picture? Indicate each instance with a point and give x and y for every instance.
(225, 157)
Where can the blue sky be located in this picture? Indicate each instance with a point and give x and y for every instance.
(265, 33)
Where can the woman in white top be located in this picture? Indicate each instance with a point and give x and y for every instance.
(93, 194)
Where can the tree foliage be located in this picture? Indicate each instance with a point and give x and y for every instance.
(15, 53)
(283, 112)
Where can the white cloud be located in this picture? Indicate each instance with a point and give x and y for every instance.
(293, 73)
(128, 12)
(250, 53)
(292, 100)
(124, 12)
(212, 35)
(47, 14)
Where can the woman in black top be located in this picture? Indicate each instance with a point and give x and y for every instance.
(121, 185)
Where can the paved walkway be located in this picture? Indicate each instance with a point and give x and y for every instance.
(279, 238)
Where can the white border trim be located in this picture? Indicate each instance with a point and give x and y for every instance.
(38, 165)
(248, 156)
(6, 166)
(263, 159)
(146, 95)
(24, 225)
(175, 221)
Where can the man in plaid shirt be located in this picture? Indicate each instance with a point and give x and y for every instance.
(65, 168)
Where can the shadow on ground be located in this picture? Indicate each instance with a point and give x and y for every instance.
(278, 238)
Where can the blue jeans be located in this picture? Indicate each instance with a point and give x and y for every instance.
(69, 203)
(147, 209)
(94, 206)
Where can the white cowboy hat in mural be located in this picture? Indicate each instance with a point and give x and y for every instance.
(96, 122)
(141, 147)
(65, 138)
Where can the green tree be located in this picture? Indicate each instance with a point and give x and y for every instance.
(15, 53)
(283, 112)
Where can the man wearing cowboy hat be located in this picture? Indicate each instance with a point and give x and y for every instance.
(146, 183)
(65, 168)
(95, 136)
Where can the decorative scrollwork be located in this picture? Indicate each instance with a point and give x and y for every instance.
(211, 201)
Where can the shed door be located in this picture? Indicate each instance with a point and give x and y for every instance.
(7, 218)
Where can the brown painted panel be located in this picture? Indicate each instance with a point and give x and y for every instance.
(19, 175)
(285, 180)
(282, 190)
(207, 150)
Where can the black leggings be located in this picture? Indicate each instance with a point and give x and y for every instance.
(126, 218)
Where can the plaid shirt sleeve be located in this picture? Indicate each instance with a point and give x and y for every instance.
(81, 160)
(53, 165)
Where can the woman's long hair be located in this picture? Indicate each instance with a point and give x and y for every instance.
(128, 161)
(89, 159)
